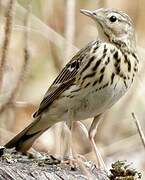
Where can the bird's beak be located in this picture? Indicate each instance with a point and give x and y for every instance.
(86, 12)
(96, 15)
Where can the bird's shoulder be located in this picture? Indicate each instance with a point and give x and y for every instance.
(66, 77)
(72, 67)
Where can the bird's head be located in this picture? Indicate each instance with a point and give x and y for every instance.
(114, 24)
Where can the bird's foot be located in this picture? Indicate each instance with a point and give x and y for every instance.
(71, 161)
(75, 162)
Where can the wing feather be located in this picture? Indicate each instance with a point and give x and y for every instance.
(64, 80)
(52, 96)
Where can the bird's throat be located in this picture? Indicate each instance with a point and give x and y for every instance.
(102, 35)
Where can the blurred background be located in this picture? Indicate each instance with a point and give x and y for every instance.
(36, 39)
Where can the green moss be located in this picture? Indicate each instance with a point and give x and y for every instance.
(122, 171)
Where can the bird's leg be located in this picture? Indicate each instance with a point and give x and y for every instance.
(69, 140)
(83, 133)
(69, 151)
(92, 133)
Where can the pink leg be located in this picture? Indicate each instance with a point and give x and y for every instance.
(69, 149)
(92, 133)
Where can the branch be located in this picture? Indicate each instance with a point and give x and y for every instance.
(7, 36)
(23, 72)
(139, 128)
(69, 27)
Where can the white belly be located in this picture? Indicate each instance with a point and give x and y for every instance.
(91, 103)
(86, 104)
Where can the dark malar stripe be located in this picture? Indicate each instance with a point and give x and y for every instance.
(105, 32)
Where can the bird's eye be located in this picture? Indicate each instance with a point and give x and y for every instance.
(113, 18)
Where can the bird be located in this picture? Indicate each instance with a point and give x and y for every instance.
(91, 82)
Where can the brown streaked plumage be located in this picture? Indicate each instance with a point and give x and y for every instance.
(95, 79)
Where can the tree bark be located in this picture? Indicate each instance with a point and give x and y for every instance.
(31, 171)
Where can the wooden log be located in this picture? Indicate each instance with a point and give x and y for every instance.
(31, 171)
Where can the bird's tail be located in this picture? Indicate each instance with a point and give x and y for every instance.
(25, 139)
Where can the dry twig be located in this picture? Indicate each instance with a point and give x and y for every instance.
(24, 66)
(7, 37)
(39, 27)
(70, 27)
(26, 56)
(139, 128)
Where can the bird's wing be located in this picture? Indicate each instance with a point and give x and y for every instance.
(64, 80)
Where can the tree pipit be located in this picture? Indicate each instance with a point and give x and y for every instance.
(92, 81)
